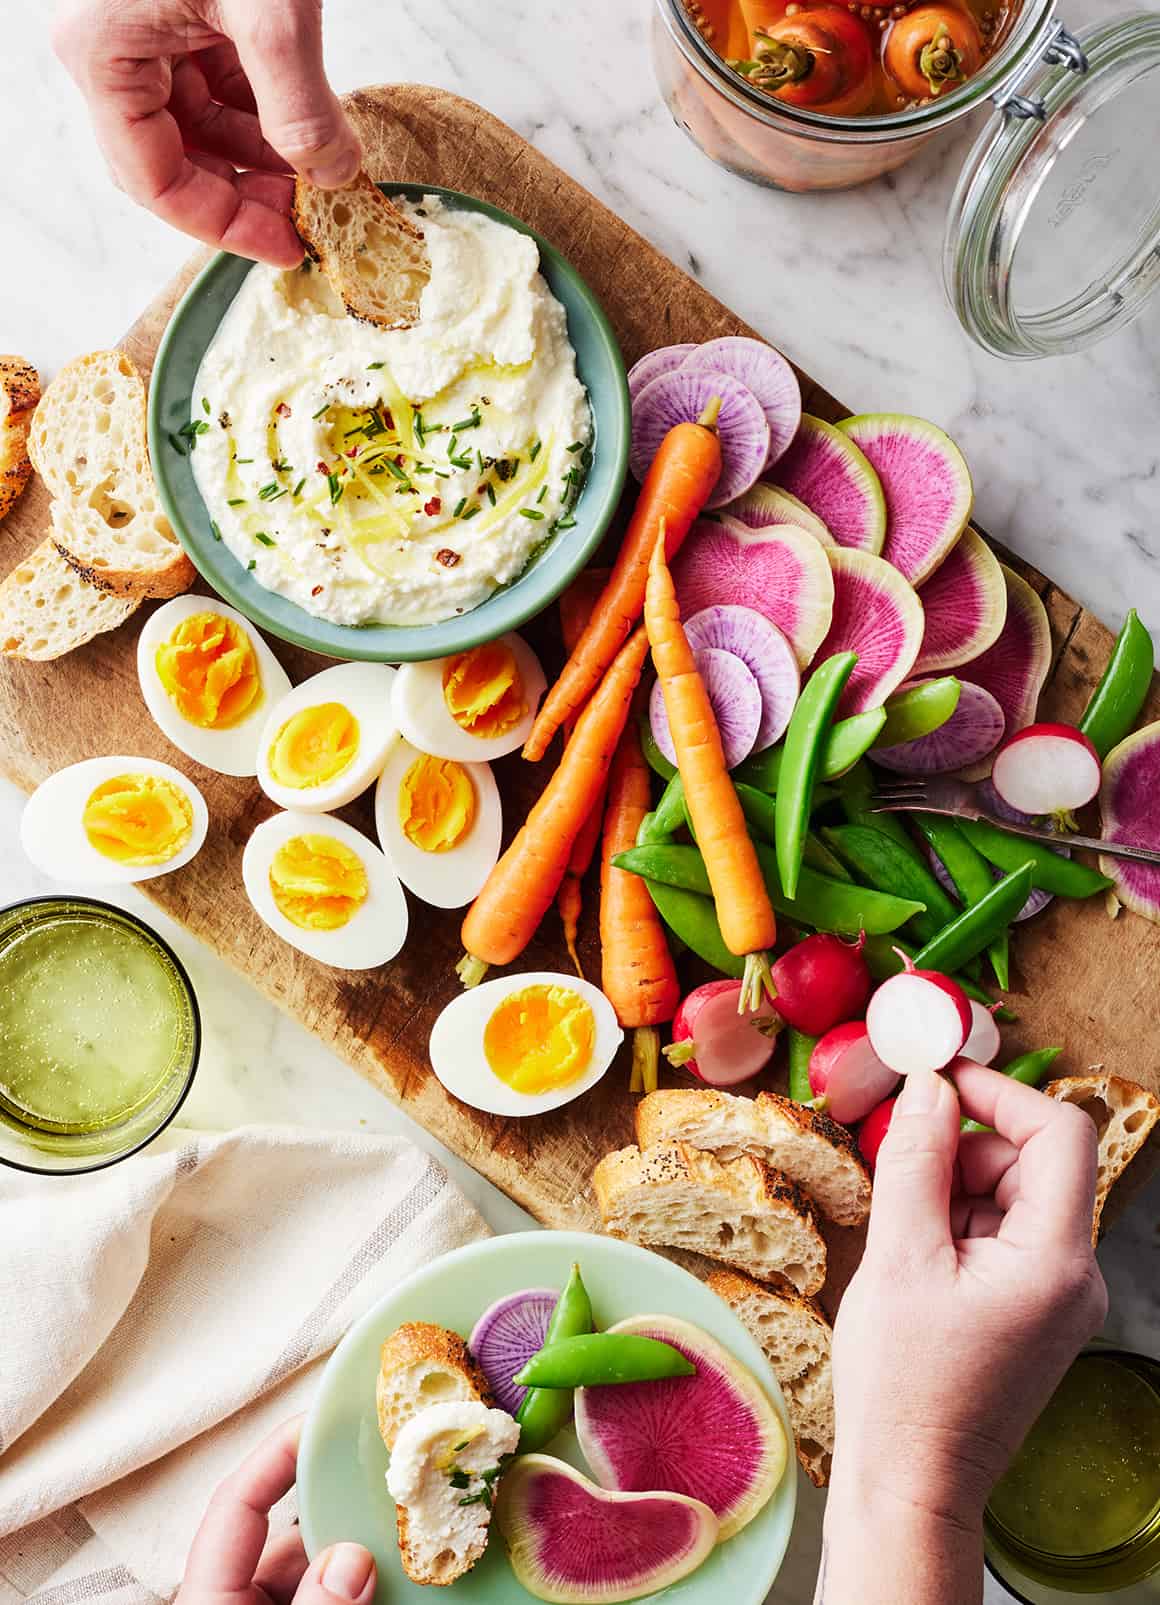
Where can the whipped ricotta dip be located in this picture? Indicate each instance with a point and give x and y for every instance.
(394, 476)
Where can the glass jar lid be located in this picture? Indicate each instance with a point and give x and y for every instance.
(1053, 240)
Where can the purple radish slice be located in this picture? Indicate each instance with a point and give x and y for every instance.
(1128, 814)
(926, 483)
(964, 603)
(765, 652)
(983, 1042)
(1014, 669)
(667, 360)
(573, 1542)
(765, 505)
(824, 469)
(683, 397)
(781, 573)
(713, 1437)
(1047, 769)
(764, 371)
(972, 731)
(918, 1020)
(736, 700)
(848, 1075)
(507, 1335)
(877, 614)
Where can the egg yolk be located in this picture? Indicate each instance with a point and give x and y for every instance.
(138, 819)
(483, 690)
(319, 884)
(314, 746)
(209, 669)
(436, 804)
(540, 1038)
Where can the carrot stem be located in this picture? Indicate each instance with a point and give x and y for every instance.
(646, 1047)
(471, 971)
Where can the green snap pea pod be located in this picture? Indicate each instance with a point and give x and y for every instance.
(846, 742)
(1067, 877)
(1029, 1068)
(647, 831)
(971, 873)
(856, 790)
(800, 1048)
(670, 811)
(544, 1412)
(878, 861)
(882, 958)
(692, 920)
(809, 726)
(760, 812)
(653, 755)
(817, 855)
(602, 1359)
(1123, 688)
(920, 710)
(976, 927)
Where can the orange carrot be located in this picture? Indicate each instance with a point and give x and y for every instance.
(743, 907)
(638, 975)
(675, 490)
(519, 891)
(576, 606)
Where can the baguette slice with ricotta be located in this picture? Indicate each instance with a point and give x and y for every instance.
(1124, 1114)
(373, 255)
(19, 393)
(741, 1212)
(47, 609)
(421, 1365)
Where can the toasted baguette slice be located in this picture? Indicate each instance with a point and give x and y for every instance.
(422, 1365)
(796, 1338)
(440, 1536)
(135, 558)
(19, 393)
(1125, 1114)
(373, 255)
(810, 1148)
(742, 1213)
(47, 609)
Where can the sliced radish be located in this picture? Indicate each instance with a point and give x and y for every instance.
(918, 1020)
(872, 1131)
(667, 360)
(964, 604)
(717, 1044)
(825, 469)
(982, 1044)
(1128, 815)
(736, 699)
(877, 614)
(972, 731)
(1015, 668)
(769, 504)
(1047, 769)
(507, 1335)
(764, 371)
(820, 982)
(847, 1073)
(765, 652)
(926, 483)
(683, 397)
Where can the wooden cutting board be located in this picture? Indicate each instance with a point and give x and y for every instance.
(1080, 980)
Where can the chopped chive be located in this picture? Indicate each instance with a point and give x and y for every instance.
(468, 423)
(462, 503)
(565, 523)
(297, 491)
(533, 513)
(543, 493)
(243, 459)
(471, 511)
(205, 406)
(491, 492)
(399, 473)
(264, 539)
(324, 408)
(236, 501)
(191, 430)
(251, 565)
(335, 489)
(373, 367)
(279, 466)
(177, 446)
(577, 445)
(535, 451)
(214, 530)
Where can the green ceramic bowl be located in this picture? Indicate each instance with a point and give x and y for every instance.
(342, 1462)
(601, 369)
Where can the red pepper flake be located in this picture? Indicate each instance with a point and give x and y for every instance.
(321, 468)
(282, 410)
(400, 460)
(354, 451)
(435, 505)
(447, 557)
(317, 591)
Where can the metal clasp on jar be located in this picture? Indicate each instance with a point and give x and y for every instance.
(1062, 49)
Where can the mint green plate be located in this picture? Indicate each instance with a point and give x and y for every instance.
(601, 369)
(342, 1462)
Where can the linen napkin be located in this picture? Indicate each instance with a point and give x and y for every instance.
(159, 1318)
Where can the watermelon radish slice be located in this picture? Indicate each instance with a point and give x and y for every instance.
(826, 470)
(667, 360)
(1015, 668)
(768, 504)
(765, 652)
(926, 483)
(780, 572)
(1128, 812)
(972, 731)
(765, 372)
(736, 701)
(713, 1436)
(578, 1544)
(965, 605)
(683, 397)
(507, 1335)
(877, 614)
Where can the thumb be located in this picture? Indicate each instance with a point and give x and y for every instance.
(344, 1574)
(912, 1178)
(279, 44)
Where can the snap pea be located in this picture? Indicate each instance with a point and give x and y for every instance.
(670, 811)
(647, 831)
(1029, 1068)
(603, 1359)
(653, 755)
(692, 919)
(816, 855)
(971, 874)
(801, 759)
(882, 958)
(878, 861)
(1123, 688)
(544, 1412)
(800, 1048)
(846, 742)
(967, 936)
(760, 812)
(856, 790)
(919, 710)
(1049, 871)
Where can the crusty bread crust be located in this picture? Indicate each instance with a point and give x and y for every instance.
(19, 394)
(419, 1343)
(373, 255)
(1125, 1115)
(408, 1554)
(47, 609)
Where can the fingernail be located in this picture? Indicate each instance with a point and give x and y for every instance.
(333, 175)
(347, 1570)
(920, 1094)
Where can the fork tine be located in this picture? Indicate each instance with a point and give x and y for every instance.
(908, 788)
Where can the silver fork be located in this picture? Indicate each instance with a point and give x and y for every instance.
(937, 794)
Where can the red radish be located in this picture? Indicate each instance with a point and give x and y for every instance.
(1047, 769)
(847, 1074)
(982, 1045)
(918, 1019)
(873, 1129)
(717, 1044)
(820, 982)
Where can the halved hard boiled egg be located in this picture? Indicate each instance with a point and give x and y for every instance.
(209, 680)
(326, 890)
(439, 822)
(524, 1044)
(475, 706)
(113, 821)
(327, 740)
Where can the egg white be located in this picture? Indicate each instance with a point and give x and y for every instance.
(53, 836)
(376, 932)
(425, 721)
(450, 879)
(363, 688)
(233, 751)
(458, 1059)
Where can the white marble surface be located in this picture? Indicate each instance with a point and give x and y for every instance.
(1065, 454)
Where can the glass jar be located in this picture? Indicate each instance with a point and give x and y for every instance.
(1053, 238)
